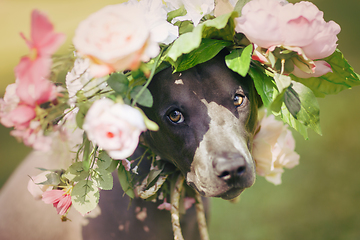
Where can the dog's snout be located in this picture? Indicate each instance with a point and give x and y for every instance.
(229, 168)
(229, 174)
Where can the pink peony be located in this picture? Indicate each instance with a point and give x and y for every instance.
(270, 24)
(115, 38)
(33, 69)
(114, 127)
(59, 198)
(273, 149)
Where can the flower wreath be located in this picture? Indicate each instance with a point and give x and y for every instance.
(289, 51)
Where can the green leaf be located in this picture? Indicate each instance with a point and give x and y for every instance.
(221, 27)
(80, 116)
(239, 60)
(208, 49)
(103, 160)
(86, 152)
(239, 5)
(85, 196)
(125, 180)
(288, 118)
(153, 174)
(103, 179)
(113, 166)
(176, 13)
(184, 26)
(303, 106)
(264, 85)
(343, 77)
(51, 179)
(145, 98)
(76, 172)
(282, 81)
(118, 82)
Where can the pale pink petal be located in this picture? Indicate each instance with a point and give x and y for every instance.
(63, 205)
(33, 70)
(20, 117)
(52, 196)
(321, 68)
(45, 40)
(165, 205)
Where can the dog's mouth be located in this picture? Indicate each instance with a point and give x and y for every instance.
(232, 193)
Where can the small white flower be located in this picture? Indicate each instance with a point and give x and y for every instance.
(80, 79)
(196, 9)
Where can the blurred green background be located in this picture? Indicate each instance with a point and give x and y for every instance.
(319, 199)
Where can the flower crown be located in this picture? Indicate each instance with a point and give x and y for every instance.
(288, 50)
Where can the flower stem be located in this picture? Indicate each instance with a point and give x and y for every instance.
(153, 69)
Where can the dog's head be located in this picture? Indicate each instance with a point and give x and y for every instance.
(207, 117)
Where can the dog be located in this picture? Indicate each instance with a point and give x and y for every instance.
(207, 117)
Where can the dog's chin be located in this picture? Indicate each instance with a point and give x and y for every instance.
(231, 194)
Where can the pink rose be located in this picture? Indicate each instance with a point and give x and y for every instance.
(115, 38)
(298, 27)
(114, 127)
(273, 149)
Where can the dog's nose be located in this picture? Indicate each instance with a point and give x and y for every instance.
(227, 169)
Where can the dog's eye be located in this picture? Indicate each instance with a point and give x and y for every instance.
(238, 100)
(176, 116)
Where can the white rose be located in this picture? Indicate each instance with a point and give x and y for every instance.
(115, 38)
(114, 127)
(273, 149)
(156, 17)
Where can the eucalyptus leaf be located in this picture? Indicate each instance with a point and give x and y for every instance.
(239, 60)
(103, 179)
(208, 49)
(343, 77)
(145, 99)
(103, 160)
(85, 196)
(125, 179)
(118, 82)
(76, 172)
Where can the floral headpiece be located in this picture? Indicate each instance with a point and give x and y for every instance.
(288, 50)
